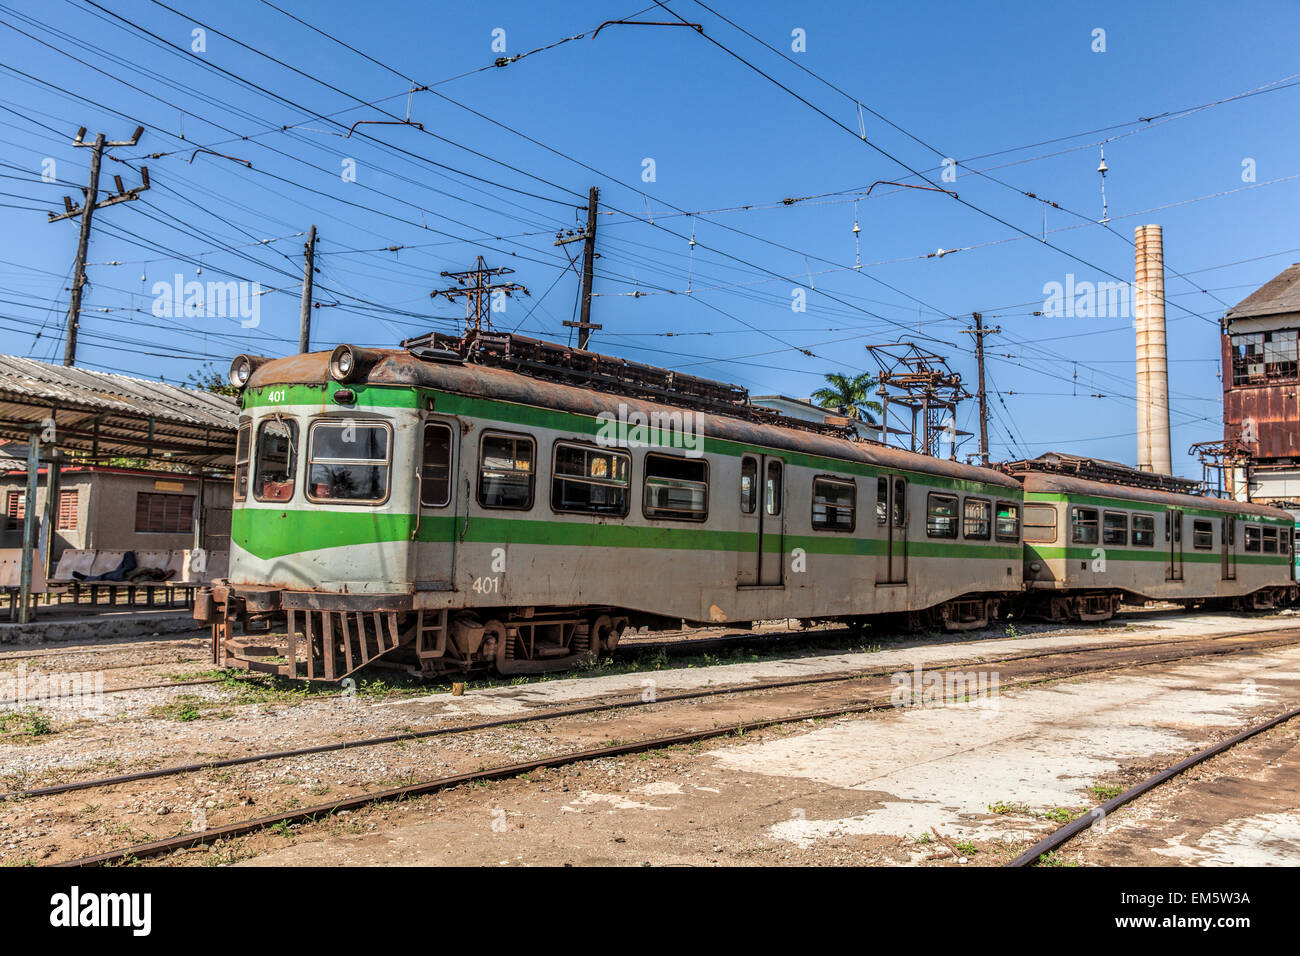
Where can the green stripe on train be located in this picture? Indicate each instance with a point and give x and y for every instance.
(530, 416)
(1156, 555)
(1034, 497)
(277, 533)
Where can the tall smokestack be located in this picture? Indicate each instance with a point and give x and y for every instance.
(1152, 368)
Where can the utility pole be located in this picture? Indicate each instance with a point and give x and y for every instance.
(86, 210)
(584, 325)
(979, 332)
(308, 269)
(478, 302)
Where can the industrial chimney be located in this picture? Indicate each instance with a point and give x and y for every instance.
(1152, 368)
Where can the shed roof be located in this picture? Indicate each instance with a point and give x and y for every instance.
(106, 415)
(1278, 296)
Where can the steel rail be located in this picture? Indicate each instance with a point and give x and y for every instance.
(309, 814)
(1058, 838)
(623, 704)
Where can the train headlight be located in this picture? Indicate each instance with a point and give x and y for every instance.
(243, 367)
(342, 362)
(349, 363)
(1035, 567)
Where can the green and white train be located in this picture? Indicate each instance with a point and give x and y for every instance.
(515, 505)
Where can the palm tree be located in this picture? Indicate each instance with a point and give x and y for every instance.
(849, 395)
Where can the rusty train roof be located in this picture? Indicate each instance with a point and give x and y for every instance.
(1036, 483)
(399, 368)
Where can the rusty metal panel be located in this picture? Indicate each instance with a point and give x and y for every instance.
(1272, 412)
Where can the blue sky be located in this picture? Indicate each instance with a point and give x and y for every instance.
(1009, 90)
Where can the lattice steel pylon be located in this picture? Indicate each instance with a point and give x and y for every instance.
(1225, 467)
(477, 288)
(920, 382)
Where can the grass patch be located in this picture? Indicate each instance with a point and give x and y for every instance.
(1055, 859)
(1064, 815)
(25, 723)
(1004, 808)
(1106, 791)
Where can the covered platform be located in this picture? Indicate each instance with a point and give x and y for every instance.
(53, 416)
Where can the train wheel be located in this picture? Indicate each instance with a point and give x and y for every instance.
(494, 630)
(603, 635)
(616, 632)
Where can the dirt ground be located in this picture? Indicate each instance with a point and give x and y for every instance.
(952, 782)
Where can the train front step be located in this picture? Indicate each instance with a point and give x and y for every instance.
(316, 645)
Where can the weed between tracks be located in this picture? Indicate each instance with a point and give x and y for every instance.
(25, 723)
(243, 689)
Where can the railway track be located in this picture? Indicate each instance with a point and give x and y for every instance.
(307, 814)
(1058, 838)
(584, 710)
(679, 647)
(672, 647)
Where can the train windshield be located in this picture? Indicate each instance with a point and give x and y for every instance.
(277, 460)
(348, 461)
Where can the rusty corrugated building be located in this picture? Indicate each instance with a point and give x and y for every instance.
(1261, 389)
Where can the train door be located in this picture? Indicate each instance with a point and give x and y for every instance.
(1174, 536)
(762, 521)
(1229, 548)
(1288, 543)
(434, 530)
(891, 523)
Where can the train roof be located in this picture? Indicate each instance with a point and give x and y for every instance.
(398, 367)
(1036, 483)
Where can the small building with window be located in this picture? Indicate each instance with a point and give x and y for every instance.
(102, 507)
(1261, 391)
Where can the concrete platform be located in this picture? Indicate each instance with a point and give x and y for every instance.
(82, 622)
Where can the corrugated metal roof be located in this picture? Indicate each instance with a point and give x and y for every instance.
(1277, 296)
(116, 415)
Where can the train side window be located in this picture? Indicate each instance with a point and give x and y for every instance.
(347, 461)
(1202, 534)
(882, 499)
(748, 485)
(1174, 526)
(590, 480)
(1286, 540)
(1270, 540)
(435, 466)
(1040, 523)
(834, 504)
(1144, 531)
(1008, 521)
(242, 443)
(676, 488)
(1083, 525)
(900, 502)
(277, 459)
(505, 471)
(977, 518)
(1252, 537)
(1114, 528)
(772, 495)
(941, 516)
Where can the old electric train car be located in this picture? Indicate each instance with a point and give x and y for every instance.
(512, 515)
(1091, 544)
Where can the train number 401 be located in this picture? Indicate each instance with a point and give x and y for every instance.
(487, 585)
